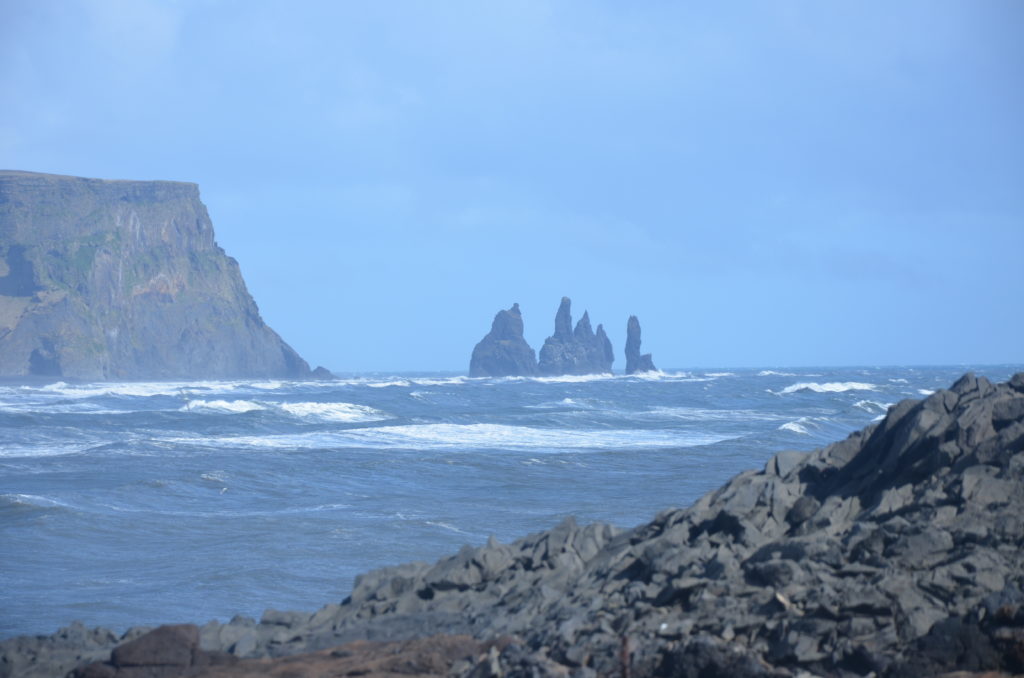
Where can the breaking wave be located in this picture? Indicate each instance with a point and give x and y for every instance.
(346, 412)
(798, 426)
(829, 387)
(468, 437)
(222, 406)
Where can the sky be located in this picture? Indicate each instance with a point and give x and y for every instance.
(783, 183)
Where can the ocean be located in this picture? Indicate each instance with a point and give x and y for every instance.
(127, 504)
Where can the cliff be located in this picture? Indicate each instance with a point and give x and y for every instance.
(575, 351)
(635, 361)
(123, 280)
(504, 352)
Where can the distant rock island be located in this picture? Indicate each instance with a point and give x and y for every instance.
(504, 352)
(109, 280)
(575, 351)
(635, 362)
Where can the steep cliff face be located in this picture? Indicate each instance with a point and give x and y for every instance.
(504, 352)
(123, 280)
(575, 351)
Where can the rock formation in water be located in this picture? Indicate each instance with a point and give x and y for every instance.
(123, 280)
(575, 351)
(504, 352)
(635, 362)
(897, 552)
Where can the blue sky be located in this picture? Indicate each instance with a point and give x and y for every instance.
(762, 183)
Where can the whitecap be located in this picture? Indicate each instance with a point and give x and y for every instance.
(773, 373)
(719, 374)
(467, 437)
(564, 403)
(872, 406)
(830, 387)
(446, 526)
(573, 378)
(440, 381)
(58, 408)
(705, 414)
(35, 500)
(925, 391)
(266, 385)
(43, 450)
(796, 426)
(347, 412)
(133, 389)
(384, 382)
(898, 380)
(222, 406)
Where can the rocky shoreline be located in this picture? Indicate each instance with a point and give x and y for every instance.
(896, 552)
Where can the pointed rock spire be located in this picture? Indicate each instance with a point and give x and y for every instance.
(563, 320)
(575, 351)
(635, 362)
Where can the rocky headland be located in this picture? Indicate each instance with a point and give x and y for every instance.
(575, 351)
(896, 552)
(112, 280)
(504, 352)
(635, 361)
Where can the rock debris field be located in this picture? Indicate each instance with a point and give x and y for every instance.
(896, 552)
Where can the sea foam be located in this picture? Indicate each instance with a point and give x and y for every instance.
(222, 406)
(346, 412)
(829, 387)
(467, 437)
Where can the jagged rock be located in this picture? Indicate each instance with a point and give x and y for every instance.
(635, 362)
(504, 352)
(321, 373)
(123, 280)
(575, 351)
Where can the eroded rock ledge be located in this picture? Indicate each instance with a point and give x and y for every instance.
(896, 552)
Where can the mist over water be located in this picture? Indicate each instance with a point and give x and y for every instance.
(146, 503)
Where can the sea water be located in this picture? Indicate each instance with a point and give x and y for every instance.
(143, 503)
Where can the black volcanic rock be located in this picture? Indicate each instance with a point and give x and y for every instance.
(504, 352)
(898, 551)
(635, 362)
(123, 280)
(575, 351)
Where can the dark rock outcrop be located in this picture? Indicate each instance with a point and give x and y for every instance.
(635, 362)
(123, 280)
(504, 352)
(170, 653)
(575, 351)
(898, 551)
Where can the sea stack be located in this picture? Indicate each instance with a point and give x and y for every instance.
(108, 280)
(575, 351)
(504, 352)
(635, 362)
